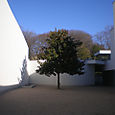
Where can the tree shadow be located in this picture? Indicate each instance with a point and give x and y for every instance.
(24, 80)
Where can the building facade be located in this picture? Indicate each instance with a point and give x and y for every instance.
(13, 50)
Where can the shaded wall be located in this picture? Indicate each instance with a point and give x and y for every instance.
(109, 78)
(109, 74)
(88, 78)
(109, 64)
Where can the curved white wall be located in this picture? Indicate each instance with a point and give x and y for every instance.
(13, 49)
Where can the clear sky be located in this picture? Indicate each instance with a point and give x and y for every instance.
(41, 16)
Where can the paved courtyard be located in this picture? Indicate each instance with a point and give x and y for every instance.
(43, 100)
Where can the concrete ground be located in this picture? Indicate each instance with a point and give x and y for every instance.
(47, 100)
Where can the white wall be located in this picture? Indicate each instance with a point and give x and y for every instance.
(13, 49)
(66, 80)
(113, 38)
(110, 65)
(33, 67)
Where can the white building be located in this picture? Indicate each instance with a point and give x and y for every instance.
(13, 50)
(109, 73)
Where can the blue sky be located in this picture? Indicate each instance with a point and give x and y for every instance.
(41, 16)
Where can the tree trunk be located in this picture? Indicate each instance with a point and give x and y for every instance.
(58, 80)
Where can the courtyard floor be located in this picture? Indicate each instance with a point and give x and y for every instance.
(48, 100)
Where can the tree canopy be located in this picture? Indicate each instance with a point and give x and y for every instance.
(104, 37)
(84, 37)
(85, 51)
(61, 55)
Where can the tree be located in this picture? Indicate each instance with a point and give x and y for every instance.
(103, 37)
(83, 53)
(95, 48)
(84, 37)
(60, 55)
(30, 38)
(34, 42)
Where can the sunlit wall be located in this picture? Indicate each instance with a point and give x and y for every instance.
(13, 49)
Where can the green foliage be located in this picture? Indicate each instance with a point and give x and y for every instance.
(60, 55)
(84, 53)
(95, 49)
(86, 50)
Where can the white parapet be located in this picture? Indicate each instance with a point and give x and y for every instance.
(103, 52)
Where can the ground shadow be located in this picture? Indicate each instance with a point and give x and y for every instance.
(24, 74)
(24, 80)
